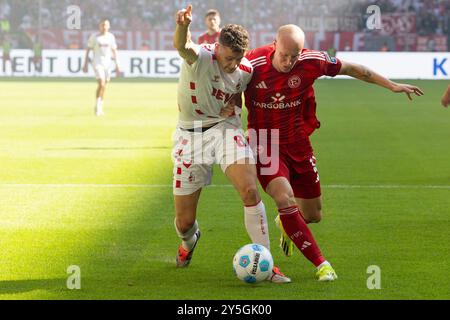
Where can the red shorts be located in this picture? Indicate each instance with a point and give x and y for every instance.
(299, 169)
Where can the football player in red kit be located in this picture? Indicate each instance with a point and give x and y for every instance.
(212, 22)
(280, 96)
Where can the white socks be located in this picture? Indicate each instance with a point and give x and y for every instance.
(256, 224)
(189, 237)
(99, 106)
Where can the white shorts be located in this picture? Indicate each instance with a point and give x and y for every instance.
(102, 73)
(195, 153)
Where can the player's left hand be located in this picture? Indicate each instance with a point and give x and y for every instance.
(408, 89)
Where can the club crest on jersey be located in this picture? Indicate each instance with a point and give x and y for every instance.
(238, 86)
(294, 82)
(215, 79)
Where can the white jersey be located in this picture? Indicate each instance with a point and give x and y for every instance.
(204, 89)
(102, 46)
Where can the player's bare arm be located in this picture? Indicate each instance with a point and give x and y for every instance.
(182, 41)
(365, 74)
(86, 61)
(445, 100)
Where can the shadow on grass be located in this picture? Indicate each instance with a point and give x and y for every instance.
(22, 286)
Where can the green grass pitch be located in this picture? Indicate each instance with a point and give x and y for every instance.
(95, 192)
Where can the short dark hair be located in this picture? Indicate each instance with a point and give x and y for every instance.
(235, 37)
(212, 12)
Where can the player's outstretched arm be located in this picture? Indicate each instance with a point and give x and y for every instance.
(445, 100)
(365, 74)
(182, 38)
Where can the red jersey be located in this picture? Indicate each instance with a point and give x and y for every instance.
(208, 39)
(286, 101)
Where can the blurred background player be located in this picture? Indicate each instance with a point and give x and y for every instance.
(280, 96)
(204, 138)
(5, 40)
(37, 55)
(6, 53)
(104, 47)
(212, 22)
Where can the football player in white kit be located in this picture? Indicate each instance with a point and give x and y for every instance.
(211, 75)
(104, 47)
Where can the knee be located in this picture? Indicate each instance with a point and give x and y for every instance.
(314, 215)
(284, 200)
(315, 218)
(250, 195)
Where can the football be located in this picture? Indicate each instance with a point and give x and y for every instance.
(253, 263)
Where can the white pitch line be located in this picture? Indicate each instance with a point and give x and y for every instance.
(149, 186)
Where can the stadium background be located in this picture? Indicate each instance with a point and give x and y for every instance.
(409, 25)
(96, 192)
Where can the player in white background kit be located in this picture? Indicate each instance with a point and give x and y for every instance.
(210, 77)
(104, 47)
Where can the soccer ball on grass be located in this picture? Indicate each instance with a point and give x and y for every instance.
(253, 263)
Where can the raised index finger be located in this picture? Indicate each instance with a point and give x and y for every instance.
(189, 9)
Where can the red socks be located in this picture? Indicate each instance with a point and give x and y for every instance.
(299, 233)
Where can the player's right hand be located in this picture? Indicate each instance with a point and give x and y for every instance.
(85, 69)
(408, 89)
(184, 17)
